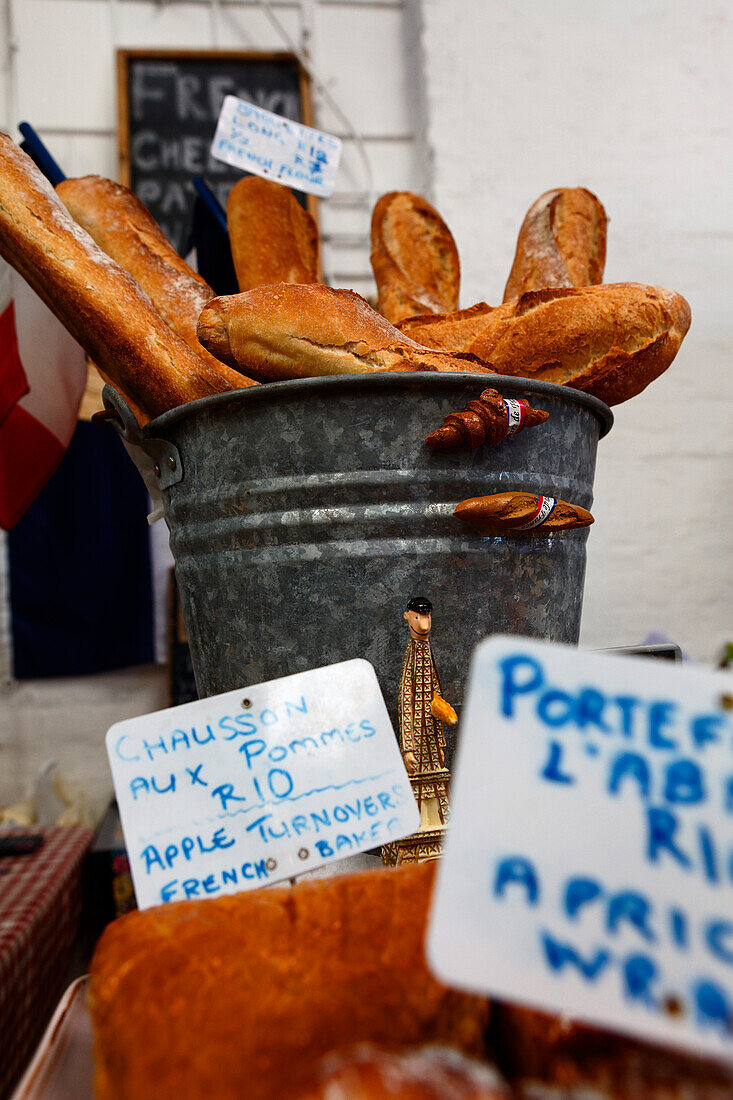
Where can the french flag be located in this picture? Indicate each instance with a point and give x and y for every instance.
(76, 593)
(42, 378)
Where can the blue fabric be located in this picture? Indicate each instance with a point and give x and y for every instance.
(80, 581)
(213, 252)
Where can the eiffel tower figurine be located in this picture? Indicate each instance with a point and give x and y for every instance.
(422, 711)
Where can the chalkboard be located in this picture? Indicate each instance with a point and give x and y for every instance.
(169, 102)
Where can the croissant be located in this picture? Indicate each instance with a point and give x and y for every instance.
(515, 513)
(443, 711)
(489, 419)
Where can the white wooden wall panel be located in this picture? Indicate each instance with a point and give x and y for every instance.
(632, 100)
(361, 48)
(65, 64)
(65, 85)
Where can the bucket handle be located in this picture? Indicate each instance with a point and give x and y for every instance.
(167, 464)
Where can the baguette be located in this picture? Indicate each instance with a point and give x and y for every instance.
(610, 341)
(562, 242)
(414, 258)
(239, 996)
(99, 303)
(294, 331)
(521, 513)
(121, 225)
(273, 239)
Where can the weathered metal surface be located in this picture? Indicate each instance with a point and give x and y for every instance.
(309, 512)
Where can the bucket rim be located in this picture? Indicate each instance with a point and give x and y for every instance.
(508, 384)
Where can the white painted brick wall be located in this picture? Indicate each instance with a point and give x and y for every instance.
(64, 83)
(632, 100)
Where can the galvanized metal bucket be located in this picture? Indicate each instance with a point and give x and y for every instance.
(305, 514)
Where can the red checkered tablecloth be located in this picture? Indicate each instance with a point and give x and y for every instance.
(40, 905)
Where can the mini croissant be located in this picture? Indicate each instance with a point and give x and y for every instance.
(489, 419)
(443, 711)
(519, 513)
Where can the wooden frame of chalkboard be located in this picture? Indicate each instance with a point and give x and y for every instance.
(168, 104)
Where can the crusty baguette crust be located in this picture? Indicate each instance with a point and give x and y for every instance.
(562, 242)
(123, 228)
(507, 511)
(273, 238)
(454, 331)
(239, 996)
(99, 303)
(610, 341)
(414, 257)
(294, 331)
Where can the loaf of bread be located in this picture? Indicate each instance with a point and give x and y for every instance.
(562, 242)
(453, 331)
(414, 257)
(610, 340)
(521, 513)
(366, 1072)
(551, 1058)
(121, 225)
(273, 238)
(293, 331)
(99, 303)
(239, 996)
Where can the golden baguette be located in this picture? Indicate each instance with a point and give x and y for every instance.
(99, 303)
(239, 996)
(121, 225)
(294, 331)
(562, 242)
(414, 257)
(273, 238)
(610, 340)
(522, 513)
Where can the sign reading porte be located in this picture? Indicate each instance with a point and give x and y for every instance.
(589, 866)
(254, 786)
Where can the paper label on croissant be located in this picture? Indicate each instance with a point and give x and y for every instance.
(276, 148)
(516, 413)
(247, 788)
(588, 869)
(545, 508)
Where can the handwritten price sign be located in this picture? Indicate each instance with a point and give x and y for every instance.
(589, 865)
(276, 148)
(253, 786)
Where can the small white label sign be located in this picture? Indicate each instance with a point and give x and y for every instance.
(589, 863)
(276, 148)
(253, 786)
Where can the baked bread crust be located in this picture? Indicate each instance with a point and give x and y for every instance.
(610, 340)
(294, 331)
(273, 238)
(366, 1072)
(99, 303)
(562, 242)
(239, 996)
(573, 1060)
(414, 258)
(122, 226)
